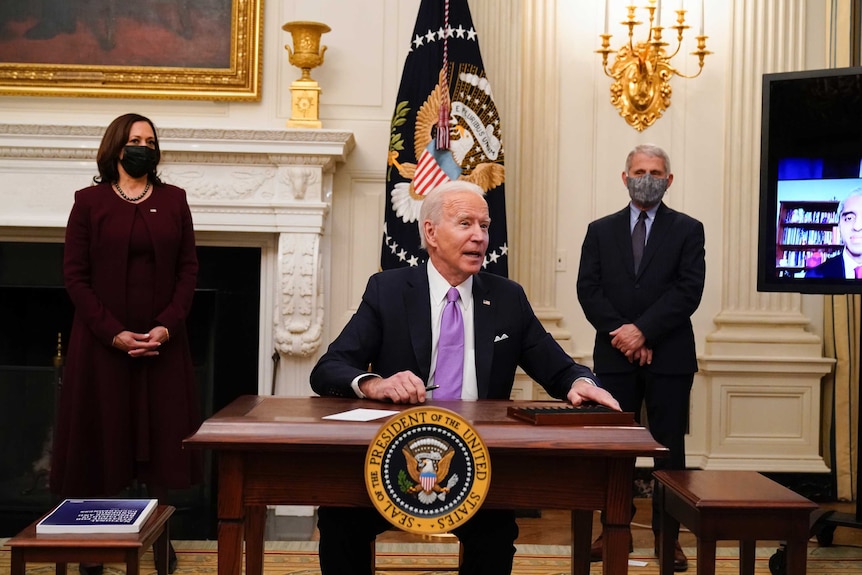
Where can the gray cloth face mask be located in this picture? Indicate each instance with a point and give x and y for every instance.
(647, 190)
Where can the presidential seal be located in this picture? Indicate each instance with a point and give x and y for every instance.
(427, 471)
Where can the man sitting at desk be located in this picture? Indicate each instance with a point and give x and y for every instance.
(398, 345)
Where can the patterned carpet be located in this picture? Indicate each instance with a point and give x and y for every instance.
(300, 558)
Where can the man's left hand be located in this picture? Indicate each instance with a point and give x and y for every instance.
(584, 392)
(641, 357)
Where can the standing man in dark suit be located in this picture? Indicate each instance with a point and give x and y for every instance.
(639, 288)
(388, 351)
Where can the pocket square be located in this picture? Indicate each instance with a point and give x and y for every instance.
(501, 337)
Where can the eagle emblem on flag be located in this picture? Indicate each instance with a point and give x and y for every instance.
(475, 147)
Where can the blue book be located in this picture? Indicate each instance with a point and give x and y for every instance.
(97, 516)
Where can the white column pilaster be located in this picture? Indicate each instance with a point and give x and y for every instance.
(524, 72)
(522, 36)
(761, 367)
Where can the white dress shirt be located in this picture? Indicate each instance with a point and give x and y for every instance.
(438, 288)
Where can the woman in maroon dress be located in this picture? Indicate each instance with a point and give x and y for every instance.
(130, 268)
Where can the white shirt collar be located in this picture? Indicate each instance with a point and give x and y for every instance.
(636, 211)
(438, 287)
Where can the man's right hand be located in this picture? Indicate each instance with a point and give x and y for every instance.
(627, 338)
(403, 387)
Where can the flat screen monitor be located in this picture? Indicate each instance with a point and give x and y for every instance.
(810, 208)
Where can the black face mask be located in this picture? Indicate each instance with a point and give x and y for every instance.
(138, 160)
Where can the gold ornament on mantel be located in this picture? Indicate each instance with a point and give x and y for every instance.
(307, 53)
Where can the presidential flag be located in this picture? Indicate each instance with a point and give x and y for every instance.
(445, 127)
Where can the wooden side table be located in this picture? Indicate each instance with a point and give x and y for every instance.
(126, 548)
(731, 505)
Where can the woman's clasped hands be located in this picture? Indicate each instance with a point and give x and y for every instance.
(141, 344)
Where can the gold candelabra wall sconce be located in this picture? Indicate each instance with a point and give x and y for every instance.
(642, 69)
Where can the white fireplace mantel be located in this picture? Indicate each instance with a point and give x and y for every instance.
(274, 185)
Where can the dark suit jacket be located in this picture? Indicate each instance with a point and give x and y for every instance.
(831, 268)
(391, 332)
(659, 300)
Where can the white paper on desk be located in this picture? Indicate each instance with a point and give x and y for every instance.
(361, 414)
(633, 563)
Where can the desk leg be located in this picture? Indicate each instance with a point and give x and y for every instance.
(668, 524)
(705, 556)
(230, 513)
(797, 556)
(255, 526)
(582, 531)
(160, 552)
(133, 562)
(747, 552)
(615, 549)
(18, 563)
(229, 548)
(616, 531)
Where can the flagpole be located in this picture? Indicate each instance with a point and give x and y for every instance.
(443, 115)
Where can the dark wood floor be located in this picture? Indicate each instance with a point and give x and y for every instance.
(553, 528)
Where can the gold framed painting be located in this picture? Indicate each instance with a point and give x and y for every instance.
(171, 49)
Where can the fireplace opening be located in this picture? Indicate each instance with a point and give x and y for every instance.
(35, 321)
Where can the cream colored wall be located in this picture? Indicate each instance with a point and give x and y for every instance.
(565, 147)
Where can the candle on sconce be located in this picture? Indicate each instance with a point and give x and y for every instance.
(607, 16)
(702, 18)
(658, 14)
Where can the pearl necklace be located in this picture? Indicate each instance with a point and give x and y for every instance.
(136, 198)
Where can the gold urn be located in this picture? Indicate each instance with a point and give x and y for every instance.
(307, 53)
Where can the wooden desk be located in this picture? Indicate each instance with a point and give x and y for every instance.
(278, 450)
(28, 546)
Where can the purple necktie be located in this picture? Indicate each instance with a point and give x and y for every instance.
(449, 373)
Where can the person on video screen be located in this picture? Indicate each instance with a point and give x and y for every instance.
(849, 264)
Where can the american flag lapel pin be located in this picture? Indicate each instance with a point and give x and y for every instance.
(152, 210)
(486, 302)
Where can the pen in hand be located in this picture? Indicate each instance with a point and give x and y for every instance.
(431, 387)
